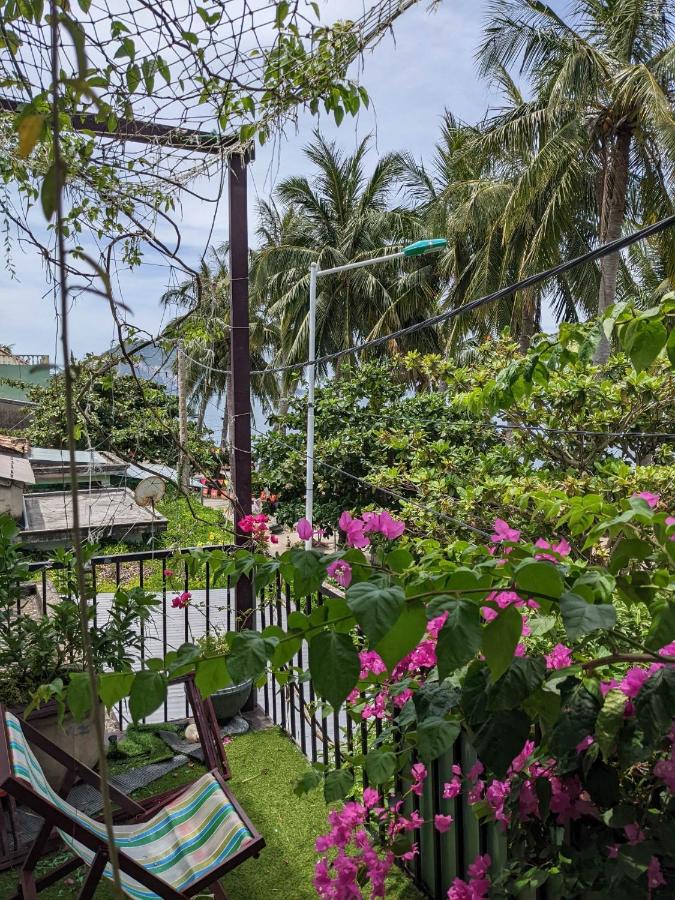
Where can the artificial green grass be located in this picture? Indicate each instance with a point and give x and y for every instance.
(265, 766)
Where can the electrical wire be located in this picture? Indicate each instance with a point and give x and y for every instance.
(561, 268)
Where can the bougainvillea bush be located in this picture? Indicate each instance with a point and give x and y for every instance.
(556, 664)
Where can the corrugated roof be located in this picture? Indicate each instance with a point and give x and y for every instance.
(14, 444)
(16, 468)
(166, 472)
(54, 456)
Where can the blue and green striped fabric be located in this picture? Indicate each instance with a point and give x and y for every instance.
(184, 842)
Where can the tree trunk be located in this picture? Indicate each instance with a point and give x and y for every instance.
(611, 222)
(183, 464)
(203, 403)
(529, 319)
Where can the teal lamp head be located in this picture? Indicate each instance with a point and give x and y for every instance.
(429, 246)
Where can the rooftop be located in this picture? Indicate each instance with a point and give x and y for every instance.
(110, 513)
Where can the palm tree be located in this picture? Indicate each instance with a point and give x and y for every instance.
(341, 215)
(599, 118)
(467, 194)
(205, 336)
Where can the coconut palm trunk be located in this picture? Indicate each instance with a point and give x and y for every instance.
(611, 224)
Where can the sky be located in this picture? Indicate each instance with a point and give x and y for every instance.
(428, 65)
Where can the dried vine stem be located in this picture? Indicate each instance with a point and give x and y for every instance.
(97, 707)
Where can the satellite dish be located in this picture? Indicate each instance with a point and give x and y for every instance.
(149, 491)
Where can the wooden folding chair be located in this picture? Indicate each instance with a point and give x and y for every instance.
(215, 757)
(183, 850)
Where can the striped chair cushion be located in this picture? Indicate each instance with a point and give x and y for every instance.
(185, 841)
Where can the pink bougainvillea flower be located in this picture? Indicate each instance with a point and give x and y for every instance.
(452, 789)
(304, 529)
(504, 532)
(478, 885)
(411, 854)
(560, 657)
(371, 521)
(613, 851)
(182, 600)
(652, 500)
(634, 834)
(274, 539)
(419, 774)
(655, 877)
(390, 528)
(488, 613)
(633, 680)
(665, 770)
(519, 762)
(442, 823)
(370, 798)
(668, 650)
(520, 651)
(476, 769)
(345, 520)
(168, 573)
(562, 548)
(341, 571)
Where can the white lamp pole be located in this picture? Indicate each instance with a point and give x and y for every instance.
(416, 249)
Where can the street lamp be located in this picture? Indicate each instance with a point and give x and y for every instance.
(419, 248)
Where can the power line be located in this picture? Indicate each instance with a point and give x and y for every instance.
(561, 268)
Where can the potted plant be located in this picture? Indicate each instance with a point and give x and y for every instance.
(229, 701)
(46, 651)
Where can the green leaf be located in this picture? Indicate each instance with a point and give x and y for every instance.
(538, 579)
(334, 666)
(655, 703)
(307, 782)
(114, 686)
(627, 549)
(309, 571)
(78, 695)
(338, 785)
(405, 634)
(580, 617)
(670, 348)
(434, 699)
(460, 638)
(501, 738)
(399, 560)
(148, 692)
(578, 714)
(662, 629)
(643, 339)
(133, 77)
(602, 783)
(609, 721)
(521, 679)
(435, 736)
(282, 12)
(211, 675)
(380, 766)
(48, 192)
(30, 129)
(248, 655)
(376, 608)
(500, 638)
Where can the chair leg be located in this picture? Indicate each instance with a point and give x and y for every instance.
(218, 892)
(91, 881)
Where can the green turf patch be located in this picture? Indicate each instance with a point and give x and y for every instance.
(265, 767)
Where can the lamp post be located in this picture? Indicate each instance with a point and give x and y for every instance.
(417, 249)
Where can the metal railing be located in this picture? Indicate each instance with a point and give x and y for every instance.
(328, 739)
(211, 607)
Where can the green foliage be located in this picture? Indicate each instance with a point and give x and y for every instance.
(37, 650)
(112, 414)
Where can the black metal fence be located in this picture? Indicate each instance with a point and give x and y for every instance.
(289, 702)
(211, 606)
(327, 738)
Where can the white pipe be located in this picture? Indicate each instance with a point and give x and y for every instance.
(311, 356)
(358, 265)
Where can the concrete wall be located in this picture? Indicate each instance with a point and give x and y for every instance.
(11, 499)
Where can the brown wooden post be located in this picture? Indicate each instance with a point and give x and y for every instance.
(241, 369)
